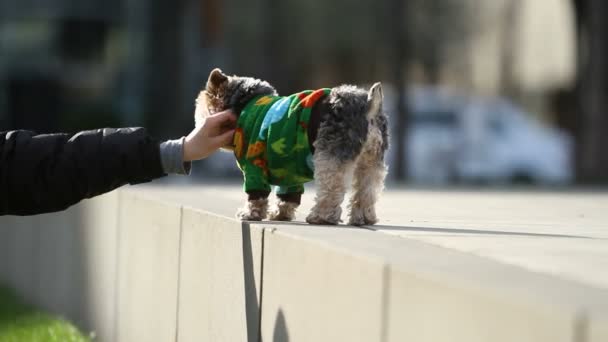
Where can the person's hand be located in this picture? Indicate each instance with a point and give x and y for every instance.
(216, 131)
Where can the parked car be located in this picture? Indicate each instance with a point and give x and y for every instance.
(455, 138)
(502, 143)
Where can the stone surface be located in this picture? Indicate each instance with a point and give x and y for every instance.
(473, 299)
(559, 233)
(553, 244)
(219, 279)
(426, 311)
(65, 262)
(429, 293)
(21, 253)
(598, 328)
(313, 292)
(563, 233)
(98, 234)
(6, 237)
(148, 265)
(60, 265)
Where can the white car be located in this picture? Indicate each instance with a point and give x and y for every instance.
(501, 143)
(479, 140)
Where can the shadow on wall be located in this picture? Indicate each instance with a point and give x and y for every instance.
(408, 229)
(280, 333)
(252, 304)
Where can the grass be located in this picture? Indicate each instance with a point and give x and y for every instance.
(22, 323)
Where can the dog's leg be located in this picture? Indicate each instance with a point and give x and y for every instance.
(330, 177)
(368, 182)
(256, 207)
(288, 201)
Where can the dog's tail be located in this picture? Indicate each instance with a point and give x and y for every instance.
(374, 98)
(377, 137)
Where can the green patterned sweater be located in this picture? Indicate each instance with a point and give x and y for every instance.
(271, 141)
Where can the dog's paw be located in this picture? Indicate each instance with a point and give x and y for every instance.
(317, 219)
(361, 221)
(284, 211)
(254, 210)
(362, 218)
(245, 215)
(277, 215)
(356, 219)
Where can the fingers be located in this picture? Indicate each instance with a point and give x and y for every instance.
(224, 138)
(222, 117)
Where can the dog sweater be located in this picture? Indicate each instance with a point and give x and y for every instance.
(271, 141)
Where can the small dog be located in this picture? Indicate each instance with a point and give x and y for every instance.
(328, 134)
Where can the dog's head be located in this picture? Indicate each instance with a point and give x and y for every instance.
(224, 92)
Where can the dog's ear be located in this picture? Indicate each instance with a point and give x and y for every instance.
(202, 108)
(216, 79)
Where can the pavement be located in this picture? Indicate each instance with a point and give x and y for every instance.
(563, 234)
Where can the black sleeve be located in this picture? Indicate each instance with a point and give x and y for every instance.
(46, 173)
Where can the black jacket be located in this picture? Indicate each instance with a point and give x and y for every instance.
(45, 173)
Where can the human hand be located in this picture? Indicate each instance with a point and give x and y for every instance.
(216, 131)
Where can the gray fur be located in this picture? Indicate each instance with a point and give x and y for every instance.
(382, 123)
(343, 128)
(241, 90)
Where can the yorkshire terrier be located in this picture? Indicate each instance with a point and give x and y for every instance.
(328, 134)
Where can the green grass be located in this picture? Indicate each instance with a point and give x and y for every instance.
(22, 323)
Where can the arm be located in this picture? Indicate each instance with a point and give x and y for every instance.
(214, 132)
(45, 173)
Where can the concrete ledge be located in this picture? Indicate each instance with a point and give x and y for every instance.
(65, 262)
(428, 293)
(99, 238)
(220, 279)
(314, 292)
(145, 264)
(148, 264)
(59, 272)
(20, 240)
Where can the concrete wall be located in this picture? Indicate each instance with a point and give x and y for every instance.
(66, 262)
(133, 268)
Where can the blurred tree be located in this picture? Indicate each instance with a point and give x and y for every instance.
(41, 115)
(304, 44)
(432, 45)
(572, 119)
(398, 32)
(509, 45)
(435, 26)
(163, 61)
(580, 13)
(268, 39)
(593, 89)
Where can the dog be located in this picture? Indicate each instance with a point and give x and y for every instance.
(331, 135)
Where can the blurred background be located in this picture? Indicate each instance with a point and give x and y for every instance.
(478, 92)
